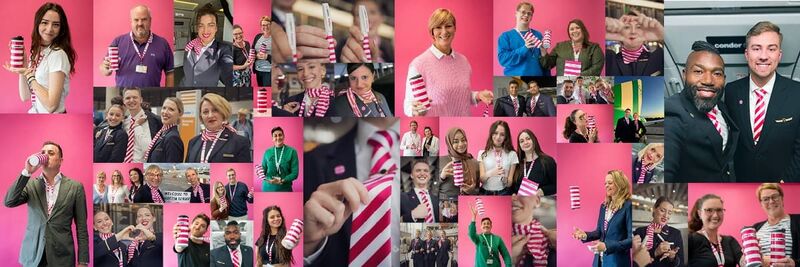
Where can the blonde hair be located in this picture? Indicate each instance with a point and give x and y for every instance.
(525, 3)
(762, 27)
(101, 173)
(440, 17)
(214, 195)
(177, 102)
(152, 168)
(219, 103)
(265, 18)
(121, 182)
(765, 186)
(657, 146)
(616, 201)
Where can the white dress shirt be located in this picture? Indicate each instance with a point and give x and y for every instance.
(141, 134)
(753, 98)
(410, 140)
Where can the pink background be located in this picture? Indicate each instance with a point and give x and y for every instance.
(247, 13)
(269, 100)
(293, 136)
(422, 122)
(477, 130)
(743, 208)
(244, 174)
(114, 19)
(603, 114)
(30, 131)
(291, 205)
(109, 168)
(498, 209)
(473, 39)
(171, 212)
(550, 16)
(80, 23)
(585, 166)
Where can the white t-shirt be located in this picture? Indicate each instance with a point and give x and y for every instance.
(763, 235)
(53, 61)
(489, 162)
(118, 195)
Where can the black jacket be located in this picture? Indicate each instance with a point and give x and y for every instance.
(669, 234)
(504, 107)
(409, 201)
(104, 252)
(143, 195)
(230, 147)
(149, 253)
(206, 194)
(637, 170)
(112, 149)
(544, 106)
(168, 148)
(648, 64)
(625, 131)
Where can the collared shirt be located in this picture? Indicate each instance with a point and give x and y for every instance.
(412, 71)
(202, 50)
(753, 98)
(52, 196)
(723, 125)
(158, 59)
(409, 139)
(142, 135)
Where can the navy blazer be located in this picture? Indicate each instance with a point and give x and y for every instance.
(442, 256)
(168, 148)
(113, 149)
(149, 253)
(216, 64)
(648, 64)
(331, 112)
(206, 194)
(104, 252)
(544, 106)
(342, 106)
(222, 257)
(230, 147)
(777, 154)
(637, 170)
(669, 234)
(504, 107)
(693, 145)
(143, 195)
(618, 238)
(409, 201)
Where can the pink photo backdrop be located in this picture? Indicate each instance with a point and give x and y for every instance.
(473, 39)
(79, 100)
(171, 212)
(291, 204)
(477, 130)
(244, 174)
(498, 208)
(422, 122)
(293, 137)
(30, 131)
(584, 166)
(247, 13)
(550, 15)
(603, 114)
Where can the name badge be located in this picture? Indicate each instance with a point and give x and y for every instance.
(489, 261)
(141, 69)
(227, 155)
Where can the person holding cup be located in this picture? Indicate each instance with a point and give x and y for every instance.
(771, 197)
(576, 56)
(489, 247)
(196, 251)
(519, 50)
(262, 43)
(219, 202)
(242, 58)
(269, 246)
(576, 128)
(280, 163)
(467, 177)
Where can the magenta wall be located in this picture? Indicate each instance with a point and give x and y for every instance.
(247, 13)
(422, 122)
(113, 18)
(741, 204)
(171, 212)
(291, 205)
(477, 130)
(603, 114)
(244, 174)
(497, 208)
(472, 39)
(293, 137)
(584, 166)
(30, 131)
(550, 15)
(80, 23)
(109, 168)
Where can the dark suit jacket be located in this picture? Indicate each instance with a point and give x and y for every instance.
(51, 236)
(417, 246)
(149, 254)
(222, 257)
(625, 131)
(319, 168)
(168, 148)
(431, 249)
(637, 170)
(153, 121)
(104, 252)
(342, 106)
(409, 201)
(597, 99)
(441, 255)
(206, 194)
(777, 154)
(143, 195)
(113, 149)
(216, 64)
(503, 107)
(560, 99)
(642, 131)
(693, 145)
(230, 147)
(618, 238)
(648, 64)
(670, 234)
(544, 106)
(794, 224)
(331, 112)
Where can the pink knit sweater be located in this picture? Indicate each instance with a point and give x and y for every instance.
(448, 83)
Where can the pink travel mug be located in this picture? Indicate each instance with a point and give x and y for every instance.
(183, 232)
(479, 207)
(293, 235)
(260, 172)
(528, 188)
(262, 48)
(420, 92)
(458, 173)
(575, 197)
(38, 159)
(777, 245)
(591, 123)
(750, 248)
(546, 39)
(252, 56)
(113, 58)
(17, 46)
(331, 49)
(262, 101)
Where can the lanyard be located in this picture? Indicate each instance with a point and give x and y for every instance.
(521, 35)
(144, 52)
(269, 249)
(279, 159)
(719, 255)
(488, 244)
(233, 191)
(204, 157)
(528, 169)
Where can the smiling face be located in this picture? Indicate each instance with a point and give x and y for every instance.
(580, 118)
(568, 89)
(459, 142)
(653, 154)
(132, 100)
(212, 118)
(134, 176)
(219, 188)
(413, 126)
(277, 138)
(49, 27)
(524, 15)
(198, 227)
(633, 35)
(361, 79)
(421, 175)
(116, 178)
(772, 203)
(575, 33)
(310, 74)
(662, 213)
(522, 208)
(140, 22)
(486, 226)
(611, 187)
(154, 177)
(525, 142)
(533, 88)
(169, 112)
(712, 213)
(428, 132)
(763, 54)
(191, 176)
(275, 219)
(499, 136)
(512, 89)
(103, 223)
(145, 217)
(115, 115)
(231, 177)
(232, 236)
(207, 28)
(238, 35)
(443, 36)
(101, 178)
(705, 78)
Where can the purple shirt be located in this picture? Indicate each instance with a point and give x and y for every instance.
(158, 59)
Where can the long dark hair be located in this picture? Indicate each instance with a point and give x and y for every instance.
(695, 222)
(141, 177)
(546, 159)
(585, 32)
(62, 41)
(284, 255)
(569, 125)
(507, 146)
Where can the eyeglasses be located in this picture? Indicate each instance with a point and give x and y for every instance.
(525, 13)
(717, 210)
(773, 198)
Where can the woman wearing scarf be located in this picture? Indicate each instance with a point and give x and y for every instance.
(218, 142)
(136, 177)
(317, 97)
(208, 61)
(707, 246)
(462, 168)
(241, 58)
(360, 100)
(280, 163)
(109, 251)
(634, 58)
(167, 146)
(646, 161)
(532, 243)
(663, 242)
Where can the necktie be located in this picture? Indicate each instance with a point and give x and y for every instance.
(198, 192)
(131, 141)
(630, 56)
(163, 130)
(537, 243)
(382, 143)
(516, 105)
(712, 115)
(426, 201)
(759, 114)
(643, 172)
(156, 196)
(235, 258)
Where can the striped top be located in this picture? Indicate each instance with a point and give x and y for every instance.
(763, 236)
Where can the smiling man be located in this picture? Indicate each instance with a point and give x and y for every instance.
(519, 49)
(763, 106)
(418, 205)
(700, 136)
(234, 253)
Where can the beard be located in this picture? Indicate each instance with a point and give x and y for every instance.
(704, 105)
(232, 244)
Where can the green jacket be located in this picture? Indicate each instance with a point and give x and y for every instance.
(482, 252)
(289, 165)
(592, 59)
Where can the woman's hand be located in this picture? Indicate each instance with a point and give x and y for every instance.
(418, 109)
(474, 211)
(447, 171)
(593, 135)
(291, 107)
(125, 233)
(486, 97)
(579, 234)
(21, 71)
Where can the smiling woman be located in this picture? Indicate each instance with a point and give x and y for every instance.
(218, 142)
